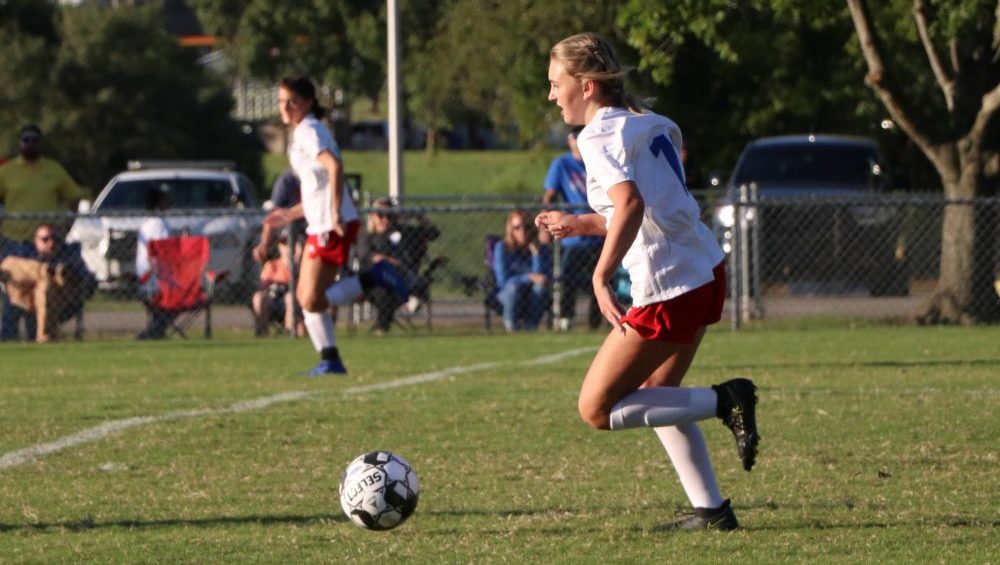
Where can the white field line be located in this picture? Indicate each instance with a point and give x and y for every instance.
(105, 429)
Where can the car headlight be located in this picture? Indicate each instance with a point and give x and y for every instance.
(725, 215)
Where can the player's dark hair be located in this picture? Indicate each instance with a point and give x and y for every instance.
(304, 88)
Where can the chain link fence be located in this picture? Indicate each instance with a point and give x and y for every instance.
(798, 258)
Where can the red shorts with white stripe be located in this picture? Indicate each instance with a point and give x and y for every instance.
(677, 320)
(332, 248)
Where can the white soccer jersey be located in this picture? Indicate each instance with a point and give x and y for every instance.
(309, 139)
(674, 252)
(151, 229)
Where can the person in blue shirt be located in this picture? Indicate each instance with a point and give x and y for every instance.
(567, 181)
(285, 193)
(522, 267)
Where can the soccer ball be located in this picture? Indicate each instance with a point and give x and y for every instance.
(379, 490)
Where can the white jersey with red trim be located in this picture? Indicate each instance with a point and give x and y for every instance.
(674, 251)
(309, 139)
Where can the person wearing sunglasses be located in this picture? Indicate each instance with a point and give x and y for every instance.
(48, 279)
(33, 183)
(522, 266)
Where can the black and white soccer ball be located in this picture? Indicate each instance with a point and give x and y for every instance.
(379, 490)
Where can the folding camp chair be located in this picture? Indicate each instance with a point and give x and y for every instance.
(184, 284)
(488, 284)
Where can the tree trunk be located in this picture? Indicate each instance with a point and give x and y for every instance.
(431, 137)
(960, 282)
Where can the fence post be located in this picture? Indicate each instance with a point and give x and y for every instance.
(743, 229)
(735, 266)
(755, 289)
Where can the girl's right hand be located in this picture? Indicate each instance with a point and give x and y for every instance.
(610, 308)
(557, 223)
(277, 218)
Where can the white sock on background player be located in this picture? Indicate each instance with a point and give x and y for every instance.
(319, 326)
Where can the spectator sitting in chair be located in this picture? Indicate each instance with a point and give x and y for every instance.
(50, 279)
(152, 228)
(272, 299)
(11, 315)
(402, 245)
(522, 267)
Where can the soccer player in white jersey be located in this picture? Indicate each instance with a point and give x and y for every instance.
(331, 218)
(636, 186)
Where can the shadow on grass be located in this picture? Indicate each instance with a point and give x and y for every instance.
(985, 362)
(87, 524)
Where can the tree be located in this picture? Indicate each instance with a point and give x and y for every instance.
(337, 43)
(488, 60)
(959, 132)
(115, 86)
(28, 33)
(730, 72)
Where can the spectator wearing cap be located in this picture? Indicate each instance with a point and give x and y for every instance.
(31, 183)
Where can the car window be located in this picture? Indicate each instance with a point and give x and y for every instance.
(813, 163)
(183, 193)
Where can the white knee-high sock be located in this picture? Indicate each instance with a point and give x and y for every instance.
(344, 291)
(687, 451)
(319, 325)
(663, 406)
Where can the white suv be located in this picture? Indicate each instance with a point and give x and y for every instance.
(222, 204)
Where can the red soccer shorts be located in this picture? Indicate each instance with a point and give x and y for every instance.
(336, 248)
(677, 320)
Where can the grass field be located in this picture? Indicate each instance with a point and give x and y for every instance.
(880, 444)
(506, 173)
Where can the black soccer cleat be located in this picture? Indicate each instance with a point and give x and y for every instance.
(737, 407)
(721, 519)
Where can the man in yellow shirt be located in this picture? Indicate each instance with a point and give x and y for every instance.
(33, 183)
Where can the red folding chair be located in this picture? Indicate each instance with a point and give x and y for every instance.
(184, 284)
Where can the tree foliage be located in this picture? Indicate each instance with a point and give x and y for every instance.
(116, 87)
(489, 59)
(338, 43)
(734, 71)
(28, 33)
